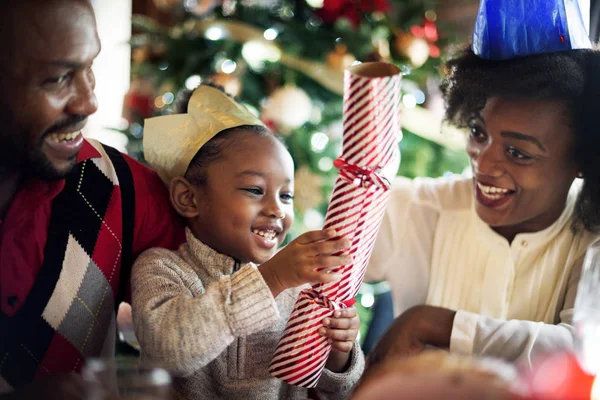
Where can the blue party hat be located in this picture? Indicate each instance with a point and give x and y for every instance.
(514, 28)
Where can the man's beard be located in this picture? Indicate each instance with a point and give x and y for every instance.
(15, 153)
(40, 167)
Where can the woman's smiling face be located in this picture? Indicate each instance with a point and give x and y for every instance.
(521, 153)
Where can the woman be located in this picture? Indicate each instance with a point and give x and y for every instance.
(496, 258)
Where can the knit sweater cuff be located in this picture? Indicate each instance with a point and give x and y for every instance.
(333, 382)
(249, 304)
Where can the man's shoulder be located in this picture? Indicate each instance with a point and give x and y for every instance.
(142, 175)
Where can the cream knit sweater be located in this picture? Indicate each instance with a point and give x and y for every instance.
(217, 329)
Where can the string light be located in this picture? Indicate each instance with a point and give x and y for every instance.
(318, 142)
(168, 98)
(409, 100)
(271, 34)
(315, 3)
(256, 53)
(419, 96)
(158, 102)
(214, 33)
(325, 164)
(228, 66)
(367, 300)
(193, 82)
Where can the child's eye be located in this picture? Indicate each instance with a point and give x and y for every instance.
(287, 197)
(517, 154)
(254, 191)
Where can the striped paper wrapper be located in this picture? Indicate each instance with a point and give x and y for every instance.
(367, 165)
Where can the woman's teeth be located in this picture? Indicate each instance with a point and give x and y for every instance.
(268, 234)
(492, 192)
(60, 137)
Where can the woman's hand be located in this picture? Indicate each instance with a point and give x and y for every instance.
(412, 331)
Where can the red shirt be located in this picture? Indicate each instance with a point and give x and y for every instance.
(23, 232)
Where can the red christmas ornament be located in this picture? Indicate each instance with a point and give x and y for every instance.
(137, 106)
(352, 10)
(428, 32)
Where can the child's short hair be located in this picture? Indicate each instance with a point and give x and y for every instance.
(571, 77)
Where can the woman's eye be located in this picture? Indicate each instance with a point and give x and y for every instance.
(477, 134)
(517, 154)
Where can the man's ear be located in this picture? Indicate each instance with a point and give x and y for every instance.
(183, 197)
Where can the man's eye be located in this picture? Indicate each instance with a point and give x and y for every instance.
(57, 80)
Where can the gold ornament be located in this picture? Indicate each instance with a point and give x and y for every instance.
(289, 107)
(339, 58)
(307, 193)
(230, 83)
(414, 48)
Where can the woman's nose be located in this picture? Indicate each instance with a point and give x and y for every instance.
(487, 161)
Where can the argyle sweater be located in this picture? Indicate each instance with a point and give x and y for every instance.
(69, 314)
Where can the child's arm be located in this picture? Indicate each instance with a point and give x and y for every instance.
(184, 333)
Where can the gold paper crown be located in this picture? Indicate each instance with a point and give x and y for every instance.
(172, 141)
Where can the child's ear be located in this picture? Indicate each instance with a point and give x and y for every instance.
(183, 197)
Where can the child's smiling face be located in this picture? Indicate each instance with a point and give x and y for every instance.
(245, 208)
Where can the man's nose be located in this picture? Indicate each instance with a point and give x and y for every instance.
(84, 100)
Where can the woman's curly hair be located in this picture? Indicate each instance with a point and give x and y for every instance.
(572, 77)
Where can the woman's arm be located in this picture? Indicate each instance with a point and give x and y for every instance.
(470, 333)
(515, 340)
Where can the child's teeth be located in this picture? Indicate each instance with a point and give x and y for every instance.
(266, 234)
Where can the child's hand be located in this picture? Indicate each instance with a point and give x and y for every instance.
(307, 259)
(341, 331)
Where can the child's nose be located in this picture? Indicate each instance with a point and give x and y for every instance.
(274, 211)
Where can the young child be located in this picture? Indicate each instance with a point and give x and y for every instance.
(206, 312)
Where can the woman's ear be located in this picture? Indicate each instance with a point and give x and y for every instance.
(183, 197)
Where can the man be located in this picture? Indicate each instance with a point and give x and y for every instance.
(73, 214)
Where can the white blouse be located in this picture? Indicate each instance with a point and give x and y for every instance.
(434, 249)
